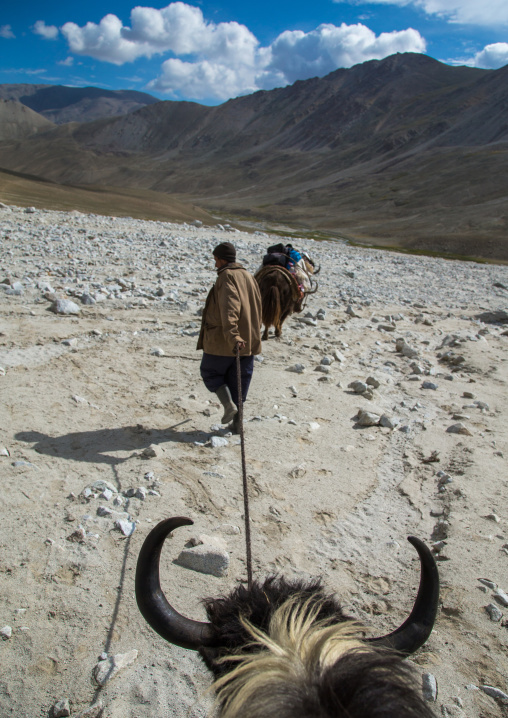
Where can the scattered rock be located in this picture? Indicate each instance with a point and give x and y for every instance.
(78, 536)
(205, 559)
(216, 442)
(367, 418)
(107, 669)
(296, 368)
(62, 708)
(494, 612)
(125, 526)
(459, 428)
(501, 597)
(359, 387)
(5, 633)
(429, 687)
(65, 307)
(495, 693)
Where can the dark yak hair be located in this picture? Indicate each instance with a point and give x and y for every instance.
(286, 649)
(301, 657)
(257, 606)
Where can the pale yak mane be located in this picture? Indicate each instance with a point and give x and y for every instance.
(286, 649)
(305, 668)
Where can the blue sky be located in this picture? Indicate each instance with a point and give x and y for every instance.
(212, 50)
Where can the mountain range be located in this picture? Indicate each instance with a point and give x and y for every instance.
(405, 152)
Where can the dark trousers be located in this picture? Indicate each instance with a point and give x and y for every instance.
(218, 370)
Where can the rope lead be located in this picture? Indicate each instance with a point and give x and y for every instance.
(248, 547)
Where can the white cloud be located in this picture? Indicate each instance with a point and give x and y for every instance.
(68, 62)
(468, 12)
(300, 55)
(6, 32)
(204, 79)
(178, 28)
(492, 57)
(48, 32)
(218, 61)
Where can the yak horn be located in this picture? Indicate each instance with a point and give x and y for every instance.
(418, 626)
(152, 602)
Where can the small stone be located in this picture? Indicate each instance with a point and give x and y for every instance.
(338, 356)
(323, 369)
(61, 709)
(205, 559)
(429, 687)
(101, 485)
(157, 352)
(296, 368)
(359, 387)
(65, 306)
(78, 536)
(5, 633)
(218, 441)
(150, 452)
(495, 693)
(327, 361)
(389, 422)
(297, 472)
(104, 511)
(351, 312)
(4, 451)
(493, 517)
(429, 385)
(87, 299)
(105, 670)
(372, 381)
(367, 418)
(459, 428)
(313, 426)
(229, 529)
(488, 583)
(494, 612)
(141, 493)
(501, 597)
(126, 527)
(438, 546)
(16, 289)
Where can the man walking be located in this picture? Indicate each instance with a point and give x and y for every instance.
(231, 319)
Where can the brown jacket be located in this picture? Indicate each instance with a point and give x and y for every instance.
(232, 314)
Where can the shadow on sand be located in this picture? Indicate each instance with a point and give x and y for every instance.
(98, 446)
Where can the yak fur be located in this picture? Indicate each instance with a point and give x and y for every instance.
(280, 297)
(288, 650)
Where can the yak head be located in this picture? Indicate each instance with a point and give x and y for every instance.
(286, 648)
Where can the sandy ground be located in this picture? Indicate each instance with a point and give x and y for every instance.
(328, 498)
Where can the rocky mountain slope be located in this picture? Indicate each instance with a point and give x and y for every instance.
(404, 151)
(76, 104)
(18, 121)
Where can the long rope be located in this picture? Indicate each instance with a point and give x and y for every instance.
(248, 546)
